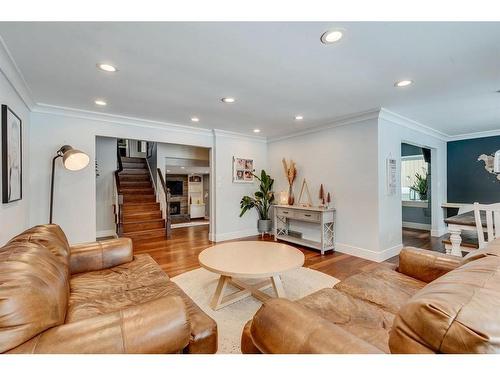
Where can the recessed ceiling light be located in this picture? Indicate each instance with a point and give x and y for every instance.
(332, 36)
(183, 167)
(195, 119)
(228, 100)
(107, 67)
(168, 170)
(256, 130)
(403, 83)
(100, 102)
(299, 117)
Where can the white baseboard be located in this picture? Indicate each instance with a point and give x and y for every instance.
(106, 233)
(412, 225)
(233, 235)
(439, 232)
(375, 256)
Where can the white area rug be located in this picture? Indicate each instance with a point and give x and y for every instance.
(200, 285)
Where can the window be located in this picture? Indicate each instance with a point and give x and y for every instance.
(410, 166)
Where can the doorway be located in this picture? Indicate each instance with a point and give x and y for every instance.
(416, 187)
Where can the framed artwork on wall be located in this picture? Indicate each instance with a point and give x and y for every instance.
(12, 158)
(243, 169)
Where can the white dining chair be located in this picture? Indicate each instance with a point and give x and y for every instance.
(492, 212)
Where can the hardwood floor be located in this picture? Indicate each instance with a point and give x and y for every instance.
(180, 253)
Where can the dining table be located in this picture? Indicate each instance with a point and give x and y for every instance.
(465, 221)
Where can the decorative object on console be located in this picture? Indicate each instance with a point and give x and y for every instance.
(322, 199)
(328, 200)
(243, 169)
(305, 188)
(73, 160)
(262, 201)
(290, 174)
(12, 156)
(283, 197)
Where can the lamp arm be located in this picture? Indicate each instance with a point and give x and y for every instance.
(59, 154)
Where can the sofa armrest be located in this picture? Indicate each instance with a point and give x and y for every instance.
(285, 327)
(158, 326)
(426, 265)
(99, 255)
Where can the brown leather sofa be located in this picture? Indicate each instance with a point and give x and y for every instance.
(430, 303)
(93, 298)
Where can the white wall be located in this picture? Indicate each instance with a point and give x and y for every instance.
(344, 160)
(228, 224)
(14, 217)
(75, 192)
(394, 130)
(105, 156)
(180, 152)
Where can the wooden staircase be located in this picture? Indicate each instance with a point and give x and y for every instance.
(141, 213)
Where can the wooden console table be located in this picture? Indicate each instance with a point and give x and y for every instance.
(324, 217)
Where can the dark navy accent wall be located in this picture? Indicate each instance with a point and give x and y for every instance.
(468, 181)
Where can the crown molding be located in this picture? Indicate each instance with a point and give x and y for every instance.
(487, 133)
(398, 119)
(239, 136)
(118, 119)
(14, 76)
(340, 121)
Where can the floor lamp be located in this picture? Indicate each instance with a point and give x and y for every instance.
(73, 160)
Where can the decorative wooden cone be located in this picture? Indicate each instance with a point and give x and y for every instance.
(321, 196)
(328, 200)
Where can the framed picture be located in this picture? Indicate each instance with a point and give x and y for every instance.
(12, 157)
(243, 169)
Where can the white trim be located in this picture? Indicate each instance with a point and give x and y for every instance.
(233, 235)
(375, 256)
(239, 136)
(412, 225)
(488, 133)
(14, 76)
(341, 121)
(106, 233)
(439, 232)
(118, 119)
(397, 119)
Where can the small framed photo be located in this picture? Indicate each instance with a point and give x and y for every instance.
(12, 156)
(243, 169)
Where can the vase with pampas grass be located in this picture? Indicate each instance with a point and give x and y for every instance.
(291, 174)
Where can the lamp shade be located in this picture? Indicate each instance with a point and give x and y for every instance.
(73, 159)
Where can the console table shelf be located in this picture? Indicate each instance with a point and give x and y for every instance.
(323, 217)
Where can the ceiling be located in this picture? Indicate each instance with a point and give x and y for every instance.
(172, 71)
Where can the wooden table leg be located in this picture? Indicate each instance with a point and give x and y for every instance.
(456, 240)
(278, 286)
(219, 292)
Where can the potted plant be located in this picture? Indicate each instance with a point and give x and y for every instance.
(262, 201)
(421, 185)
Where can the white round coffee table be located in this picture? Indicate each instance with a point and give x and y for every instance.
(249, 260)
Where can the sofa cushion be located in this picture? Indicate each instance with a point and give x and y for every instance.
(382, 286)
(457, 313)
(142, 280)
(33, 292)
(492, 249)
(50, 236)
(362, 319)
